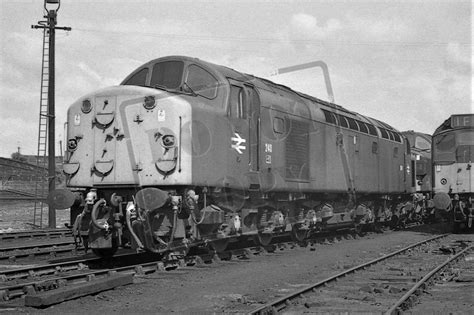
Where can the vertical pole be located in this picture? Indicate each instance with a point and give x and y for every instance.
(51, 119)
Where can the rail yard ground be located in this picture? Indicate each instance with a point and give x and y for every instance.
(18, 215)
(240, 285)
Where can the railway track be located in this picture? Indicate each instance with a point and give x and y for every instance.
(24, 246)
(387, 284)
(47, 250)
(35, 234)
(18, 282)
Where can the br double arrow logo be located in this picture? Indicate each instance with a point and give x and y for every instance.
(237, 143)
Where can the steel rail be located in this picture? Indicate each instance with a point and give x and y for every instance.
(4, 249)
(397, 307)
(18, 290)
(34, 234)
(279, 304)
(25, 272)
(52, 252)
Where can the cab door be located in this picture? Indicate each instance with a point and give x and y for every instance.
(244, 118)
(253, 118)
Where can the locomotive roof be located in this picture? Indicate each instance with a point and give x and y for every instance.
(458, 121)
(261, 83)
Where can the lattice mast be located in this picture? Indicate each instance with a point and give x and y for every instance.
(51, 8)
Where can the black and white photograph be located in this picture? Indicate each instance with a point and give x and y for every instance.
(236, 157)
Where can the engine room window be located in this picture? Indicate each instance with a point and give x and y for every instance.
(167, 74)
(236, 102)
(138, 78)
(202, 82)
(278, 125)
(375, 147)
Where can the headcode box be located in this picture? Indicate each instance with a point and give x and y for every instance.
(465, 120)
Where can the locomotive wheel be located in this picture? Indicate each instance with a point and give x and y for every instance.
(298, 235)
(220, 245)
(263, 239)
(105, 252)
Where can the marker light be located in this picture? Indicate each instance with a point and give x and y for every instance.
(86, 106)
(168, 141)
(149, 102)
(71, 145)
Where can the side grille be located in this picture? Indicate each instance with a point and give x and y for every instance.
(297, 151)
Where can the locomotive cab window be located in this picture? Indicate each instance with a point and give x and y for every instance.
(465, 147)
(167, 74)
(201, 82)
(362, 127)
(352, 124)
(343, 121)
(278, 125)
(237, 106)
(422, 144)
(465, 153)
(397, 137)
(384, 133)
(444, 147)
(330, 117)
(138, 78)
(372, 130)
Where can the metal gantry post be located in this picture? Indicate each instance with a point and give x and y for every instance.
(51, 16)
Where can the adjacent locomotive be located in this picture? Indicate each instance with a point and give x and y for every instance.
(453, 178)
(421, 165)
(421, 160)
(188, 153)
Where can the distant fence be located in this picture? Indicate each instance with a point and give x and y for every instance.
(22, 181)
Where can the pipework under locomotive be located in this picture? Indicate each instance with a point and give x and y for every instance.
(187, 153)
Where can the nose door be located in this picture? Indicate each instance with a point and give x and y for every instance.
(105, 137)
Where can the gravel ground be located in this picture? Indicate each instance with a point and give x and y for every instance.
(18, 215)
(238, 286)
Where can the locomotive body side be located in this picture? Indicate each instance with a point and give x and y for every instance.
(187, 152)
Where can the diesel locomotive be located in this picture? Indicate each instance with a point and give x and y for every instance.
(188, 153)
(453, 178)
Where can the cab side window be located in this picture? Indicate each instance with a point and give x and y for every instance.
(237, 103)
(138, 78)
(202, 82)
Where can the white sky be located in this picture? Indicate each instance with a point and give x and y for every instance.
(408, 63)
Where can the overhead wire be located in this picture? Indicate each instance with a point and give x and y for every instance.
(271, 39)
